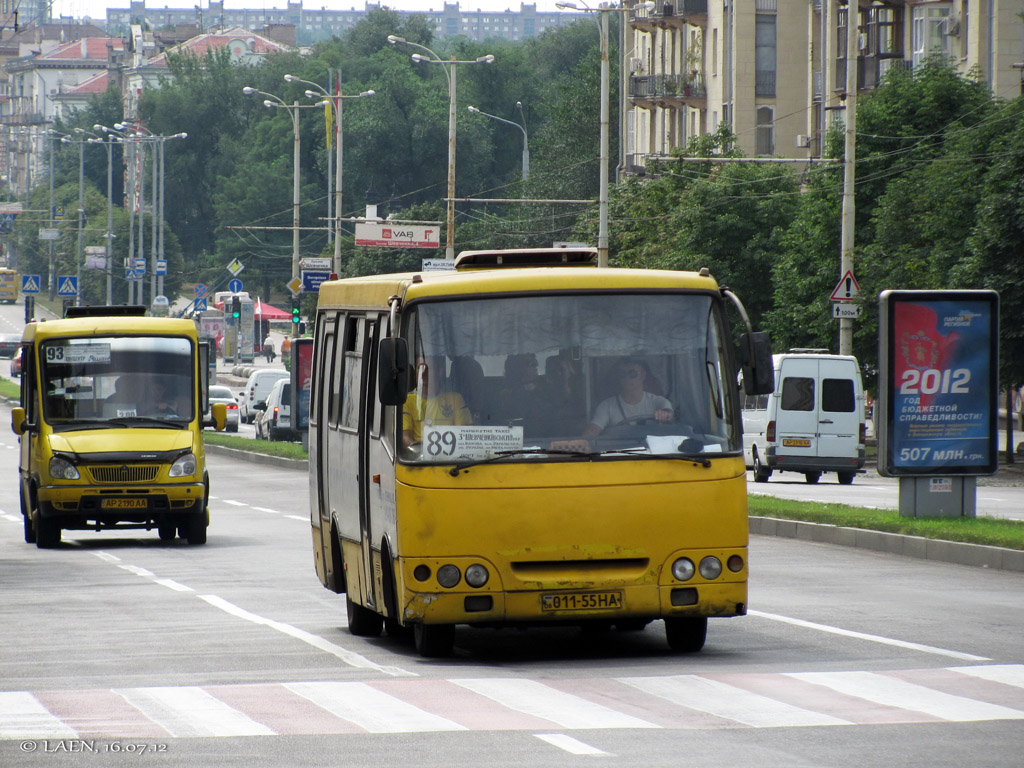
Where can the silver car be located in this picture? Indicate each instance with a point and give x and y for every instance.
(219, 394)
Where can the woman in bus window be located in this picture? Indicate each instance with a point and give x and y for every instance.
(432, 404)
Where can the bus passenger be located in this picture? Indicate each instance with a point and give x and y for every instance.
(562, 407)
(468, 378)
(432, 404)
(632, 403)
(519, 394)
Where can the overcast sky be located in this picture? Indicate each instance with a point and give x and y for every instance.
(97, 9)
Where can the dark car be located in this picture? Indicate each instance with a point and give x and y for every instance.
(9, 343)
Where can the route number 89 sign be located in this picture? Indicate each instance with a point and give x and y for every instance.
(938, 359)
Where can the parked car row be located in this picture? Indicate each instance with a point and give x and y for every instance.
(274, 419)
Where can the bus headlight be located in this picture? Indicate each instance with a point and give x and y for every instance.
(184, 466)
(683, 569)
(476, 575)
(62, 469)
(448, 576)
(735, 563)
(710, 568)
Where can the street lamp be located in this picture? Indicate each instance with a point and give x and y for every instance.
(81, 205)
(602, 200)
(450, 70)
(111, 136)
(335, 101)
(275, 102)
(526, 145)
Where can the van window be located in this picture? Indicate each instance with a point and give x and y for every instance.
(837, 395)
(797, 394)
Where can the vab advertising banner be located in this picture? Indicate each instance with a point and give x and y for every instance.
(938, 358)
(392, 235)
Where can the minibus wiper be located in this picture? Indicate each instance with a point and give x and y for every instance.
(149, 421)
(696, 458)
(499, 455)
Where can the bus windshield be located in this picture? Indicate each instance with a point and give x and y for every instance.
(542, 377)
(117, 381)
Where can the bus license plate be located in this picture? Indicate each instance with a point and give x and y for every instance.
(581, 601)
(124, 503)
(795, 443)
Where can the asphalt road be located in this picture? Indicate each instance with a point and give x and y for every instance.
(120, 648)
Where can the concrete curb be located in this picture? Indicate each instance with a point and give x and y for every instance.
(959, 553)
(299, 465)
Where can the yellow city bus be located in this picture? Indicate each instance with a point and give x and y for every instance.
(456, 476)
(8, 285)
(111, 425)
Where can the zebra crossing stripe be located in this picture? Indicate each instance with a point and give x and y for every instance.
(23, 717)
(191, 711)
(373, 710)
(1008, 674)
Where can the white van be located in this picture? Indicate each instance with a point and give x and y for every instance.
(256, 390)
(812, 423)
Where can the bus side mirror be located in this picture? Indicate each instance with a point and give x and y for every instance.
(756, 360)
(393, 371)
(18, 423)
(219, 412)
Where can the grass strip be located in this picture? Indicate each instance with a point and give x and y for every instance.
(990, 531)
(10, 390)
(268, 447)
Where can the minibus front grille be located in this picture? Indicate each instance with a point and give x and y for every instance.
(139, 473)
(553, 569)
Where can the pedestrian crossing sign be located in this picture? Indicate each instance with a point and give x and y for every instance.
(67, 286)
(30, 283)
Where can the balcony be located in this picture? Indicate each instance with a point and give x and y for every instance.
(665, 90)
(670, 15)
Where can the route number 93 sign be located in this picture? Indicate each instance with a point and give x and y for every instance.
(938, 364)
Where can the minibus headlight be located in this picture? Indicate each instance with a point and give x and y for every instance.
(476, 575)
(184, 466)
(448, 576)
(62, 469)
(683, 569)
(735, 563)
(710, 568)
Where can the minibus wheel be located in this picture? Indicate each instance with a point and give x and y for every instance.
(686, 634)
(761, 472)
(166, 531)
(362, 622)
(434, 640)
(47, 532)
(26, 514)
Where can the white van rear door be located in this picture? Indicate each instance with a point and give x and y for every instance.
(796, 418)
(839, 409)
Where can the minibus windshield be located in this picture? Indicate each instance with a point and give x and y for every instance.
(555, 377)
(117, 381)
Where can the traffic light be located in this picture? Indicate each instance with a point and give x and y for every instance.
(295, 310)
(236, 307)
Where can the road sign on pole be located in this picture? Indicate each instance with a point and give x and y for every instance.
(235, 285)
(235, 267)
(30, 283)
(846, 289)
(843, 311)
(67, 285)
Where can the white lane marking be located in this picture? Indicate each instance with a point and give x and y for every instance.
(191, 711)
(872, 638)
(1007, 674)
(349, 657)
(264, 509)
(298, 517)
(569, 744)
(535, 698)
(138, 571)
(172, 584)
(727, 701)
(11, 518)
(891, 692)
(107, 557)
(370, 709)
(234, 503)
(22, 716)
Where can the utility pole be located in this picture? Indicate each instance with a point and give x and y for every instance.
(849, 161)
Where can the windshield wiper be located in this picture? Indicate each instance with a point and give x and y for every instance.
(640, 452)
(149, 421)
(499, 455)
(69, 424)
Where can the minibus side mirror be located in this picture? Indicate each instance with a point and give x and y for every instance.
(756, 360)
(393, 371)
(219, 416)
(18, 423)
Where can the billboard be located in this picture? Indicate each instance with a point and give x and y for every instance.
(938, 360)
(391, 235)
(302, 380)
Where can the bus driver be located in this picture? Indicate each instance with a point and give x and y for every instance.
(632, 402)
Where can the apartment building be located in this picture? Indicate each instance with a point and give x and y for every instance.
(775, 70)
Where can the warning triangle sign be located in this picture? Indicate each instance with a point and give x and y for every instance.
(847, 288)
(67, 287)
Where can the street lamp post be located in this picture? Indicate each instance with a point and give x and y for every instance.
(335, 101)
(450, 73)
(526, 145)
(112, 136)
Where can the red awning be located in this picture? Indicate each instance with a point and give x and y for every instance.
(266, 312)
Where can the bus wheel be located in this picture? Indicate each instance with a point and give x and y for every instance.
(362, 622)
(845, 478)
(761, 472)
(26, 514)
(166, 531)
(686, 634)
(47, 533)
(434, 640)
(194, 529)
(812, 477)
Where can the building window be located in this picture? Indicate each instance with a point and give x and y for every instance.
(764, 140)
(764, 55)
(929, 32)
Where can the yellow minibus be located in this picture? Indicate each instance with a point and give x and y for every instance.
(8, 285)
(508, 445)
(111, 423)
